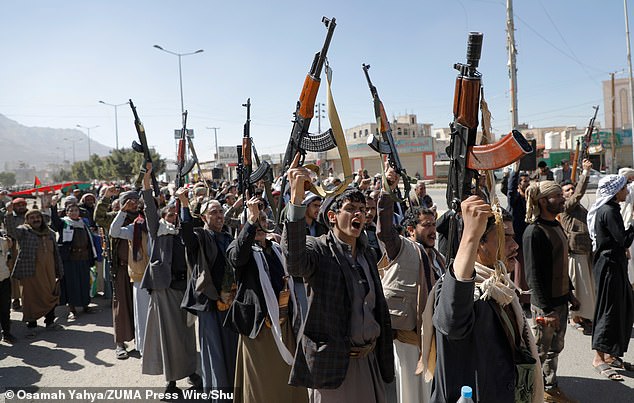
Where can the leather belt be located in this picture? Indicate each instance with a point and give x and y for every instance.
(362, 351)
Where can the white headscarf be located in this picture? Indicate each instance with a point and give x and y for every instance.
(609, 186)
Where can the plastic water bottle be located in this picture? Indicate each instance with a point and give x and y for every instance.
(465, 395)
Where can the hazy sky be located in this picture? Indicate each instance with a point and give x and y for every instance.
(59, 58)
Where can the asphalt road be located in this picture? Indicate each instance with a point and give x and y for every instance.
(82, 356)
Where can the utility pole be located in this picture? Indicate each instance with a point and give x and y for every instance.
(512, 51)
(319, 112)
(629, 64)
(612, 150)
(215, 129)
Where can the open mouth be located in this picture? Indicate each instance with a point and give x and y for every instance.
(356, 225)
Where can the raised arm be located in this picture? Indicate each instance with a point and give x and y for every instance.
(239, 251)
(582, 185)
(385, 230)
(118, 230)
(454, 313)
(151, 212)
(9, 222)
(301, 259)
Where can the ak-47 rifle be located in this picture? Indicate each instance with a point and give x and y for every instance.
(142, 147)
(587, 137)
(244, 184)
(386, 146)
(300, 140)
(247, 177)
(467, 158)
(183, 167)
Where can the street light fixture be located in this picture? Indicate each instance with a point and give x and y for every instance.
(88, 130)
(116, 123)
(180, 71)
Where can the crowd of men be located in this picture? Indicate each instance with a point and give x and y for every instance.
(346, 294)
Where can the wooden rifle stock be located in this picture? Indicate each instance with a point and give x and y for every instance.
(575, 163)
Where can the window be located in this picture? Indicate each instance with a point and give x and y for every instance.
(354, 135)
(366, 132)
(405, 132)
(412, 120)
(413, 133)
(398, 131)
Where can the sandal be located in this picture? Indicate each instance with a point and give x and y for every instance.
(607, 371)
(120, 353)
(620, 364)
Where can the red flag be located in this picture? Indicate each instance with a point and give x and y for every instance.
(37, 182)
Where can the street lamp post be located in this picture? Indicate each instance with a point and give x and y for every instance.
(72, 140)
(116, 123)
(88, 130)
(215, 129)
(180, 71)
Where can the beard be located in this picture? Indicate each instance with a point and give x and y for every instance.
(554, 208)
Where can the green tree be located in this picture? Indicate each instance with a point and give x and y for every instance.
(7, 179)
(63, 176)
(120, 164)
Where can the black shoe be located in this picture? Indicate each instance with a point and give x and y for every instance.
(195, 380)
(172, 391)
(9, 338)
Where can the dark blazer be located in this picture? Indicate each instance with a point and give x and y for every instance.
(471, 346)
(323, 350)
(249, 309)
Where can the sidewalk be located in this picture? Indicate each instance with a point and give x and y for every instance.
(82, 355)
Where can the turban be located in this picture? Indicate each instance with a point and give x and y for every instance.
(129, 195)
(310, 197)
(535, 192)
(627, 172)
(609, 186)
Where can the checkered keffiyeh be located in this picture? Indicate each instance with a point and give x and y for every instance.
(609, 186)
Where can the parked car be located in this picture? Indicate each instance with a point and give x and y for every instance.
(593, 182)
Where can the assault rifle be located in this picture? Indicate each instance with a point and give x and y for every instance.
(587, 138)
(467, 158)
(247, 177)
(245, 165)
(142, 147)
(183, 167)
(300, 140)
(386, 146)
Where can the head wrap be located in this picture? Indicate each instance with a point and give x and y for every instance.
(129, 195)
(70, 200)
(310, 197)
(19, 200)
(627, 172)
(86, 196)
(609, 186)
(43, 227)
(535, 192)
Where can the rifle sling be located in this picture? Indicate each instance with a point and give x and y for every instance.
(340, 140)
